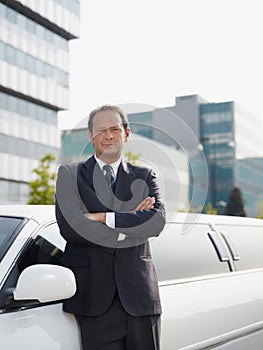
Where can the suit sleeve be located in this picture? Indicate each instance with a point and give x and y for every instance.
(70, 210)
(143, 223)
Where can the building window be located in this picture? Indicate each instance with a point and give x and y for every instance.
(2, 51)
(11, 15)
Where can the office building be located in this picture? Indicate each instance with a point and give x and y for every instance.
(234, 150)
(228, 136)
(34, 83)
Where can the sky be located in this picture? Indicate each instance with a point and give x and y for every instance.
(143, 53)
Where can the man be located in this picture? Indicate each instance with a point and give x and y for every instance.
(106, 216)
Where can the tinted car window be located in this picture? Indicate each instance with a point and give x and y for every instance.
(9, 226)
(180, 253)
(246, 242)
(46, 248)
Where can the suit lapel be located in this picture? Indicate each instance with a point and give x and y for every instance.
(91, 172)
(125, 177)
(87, 168)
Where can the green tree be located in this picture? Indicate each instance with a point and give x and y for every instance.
(260, 209)
(209, 209)
(132, 157)
(195, 209)
(43, 187)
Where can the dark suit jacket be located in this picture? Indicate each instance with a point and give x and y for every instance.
(100, 262)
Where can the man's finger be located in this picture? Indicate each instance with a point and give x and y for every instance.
(146, 204)
(141, 205)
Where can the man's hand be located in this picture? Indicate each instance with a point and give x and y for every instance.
(146, 204)
(101, 217)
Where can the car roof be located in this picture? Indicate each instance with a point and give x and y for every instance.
(38, 213)
(180, 217)
(42, 213)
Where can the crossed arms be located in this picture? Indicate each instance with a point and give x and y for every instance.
(146, 204)
(147, 219)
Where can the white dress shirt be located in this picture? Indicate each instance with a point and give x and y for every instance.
(110, 216)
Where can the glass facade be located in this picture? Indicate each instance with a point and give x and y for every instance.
(34, 55)
(248, 134)
(232, 145)
(141, 123)
(217, 137)
(75, 146)
(161, 125)
(249, 179)
(33, 59)
(231, 138)
(63, 13)
(197, 181)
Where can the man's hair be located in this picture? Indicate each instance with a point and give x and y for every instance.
(116, 109)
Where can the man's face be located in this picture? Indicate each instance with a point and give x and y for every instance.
(108, 135)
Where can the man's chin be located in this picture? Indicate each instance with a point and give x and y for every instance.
(111, 154)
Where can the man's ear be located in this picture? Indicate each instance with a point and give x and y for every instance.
(90, 137)
(127, 134)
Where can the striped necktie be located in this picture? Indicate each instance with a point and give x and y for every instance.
(109, 174)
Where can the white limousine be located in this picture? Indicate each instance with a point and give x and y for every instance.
(210, 272)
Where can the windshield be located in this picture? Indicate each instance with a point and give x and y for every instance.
(9, 227)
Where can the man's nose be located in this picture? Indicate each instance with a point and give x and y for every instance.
(108, 134)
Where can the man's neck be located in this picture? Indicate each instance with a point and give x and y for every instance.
(107, 160)
(115, 165)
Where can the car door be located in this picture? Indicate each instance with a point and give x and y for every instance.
(33, 325)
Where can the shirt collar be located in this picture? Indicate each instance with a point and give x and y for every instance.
(114, 165)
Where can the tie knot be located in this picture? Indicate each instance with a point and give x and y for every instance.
(108, 169)
(109, 174)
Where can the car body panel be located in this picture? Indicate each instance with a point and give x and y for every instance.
(211, 308)
(41, 328)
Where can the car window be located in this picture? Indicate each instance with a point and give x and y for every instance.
(180, 253)
(9, 227)
(46, 248)
(245, 242)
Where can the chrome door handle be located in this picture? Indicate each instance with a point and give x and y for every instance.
(219, 247)
(231, 246)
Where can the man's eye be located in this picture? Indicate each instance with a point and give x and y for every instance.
(113, 129)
